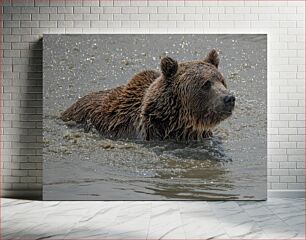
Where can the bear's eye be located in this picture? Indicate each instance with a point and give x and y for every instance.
(207, 85)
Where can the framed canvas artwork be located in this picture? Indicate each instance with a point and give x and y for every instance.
(155, 117)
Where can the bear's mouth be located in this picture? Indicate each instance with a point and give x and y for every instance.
(225, 113)
(227, 110)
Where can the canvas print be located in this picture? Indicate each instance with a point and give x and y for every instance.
(155, 117)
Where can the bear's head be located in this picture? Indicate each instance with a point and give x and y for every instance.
(201, 88)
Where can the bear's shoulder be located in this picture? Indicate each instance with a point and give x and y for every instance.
(143, 79)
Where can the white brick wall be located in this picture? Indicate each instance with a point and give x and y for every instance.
(24, 22)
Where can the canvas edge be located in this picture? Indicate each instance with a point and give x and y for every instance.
(37, 194)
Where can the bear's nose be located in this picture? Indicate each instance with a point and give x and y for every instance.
(229, 100)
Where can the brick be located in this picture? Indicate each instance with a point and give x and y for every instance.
(301, 179)
(30, 24)
(231, 3)
(122, 3)
(73, 3)
(265, 24)
(296, 151)
(300, 165)
(91, 16)
(19, 173)
(103, 17)
(138, 3)
(129, 10)
(26, 16)
(147, 9)
(139, 17)
(47, 24)
(279, 124)
(130, 24)
(277, 152)
(193, 17)
(287, 116)
(287, 24)
(48, 10)
(28, 179)
(62, 10)
(40, 16)
(73, 17)
(158, 17)
(166, 24)
(23, 3)
(29, 10)
(57, 17)
(296, 185)
(121, 17)
(296, 158)
(21, 31)
(287, 165)
(7, 31)
(7, 17)
(277, 186)
(166, 10)
(221, 24)
(217, 10)
(11, 38)
(148, 24)
(59, 3)
(287, 145)
(11, 24)
(297, 138)
(37, 31)
(273, 165)
(91, 3)
(11, 9)
(176, 17)
(273, 179)
(261, 10)
(82, 24)
(273, 145)
(56, 30)
(194, 3)
(185, 10)
(300, 144)
(98, 24)
(113, 24)
(41, 3)
(242, 10)
(287, 131)
(10, 179)
(96, 10)
(286, 9)
(227, 17)
(296, 172)
(287, 179)
(81, 10)
(112, 10)
(158, 3)
(202, 10)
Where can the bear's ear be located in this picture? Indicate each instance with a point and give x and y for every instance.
(168, 67)
(213, 58)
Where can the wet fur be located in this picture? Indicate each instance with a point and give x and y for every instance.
(154, 105)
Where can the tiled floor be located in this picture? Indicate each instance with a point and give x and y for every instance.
(272, 219)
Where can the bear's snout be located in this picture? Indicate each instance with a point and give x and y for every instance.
(229, 101)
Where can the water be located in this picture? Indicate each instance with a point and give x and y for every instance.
(88, 166)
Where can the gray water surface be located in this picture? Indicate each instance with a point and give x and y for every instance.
(88, 166)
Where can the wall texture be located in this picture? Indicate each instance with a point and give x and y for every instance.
(24, 22)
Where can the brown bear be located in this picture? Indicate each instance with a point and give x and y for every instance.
(184, 101)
